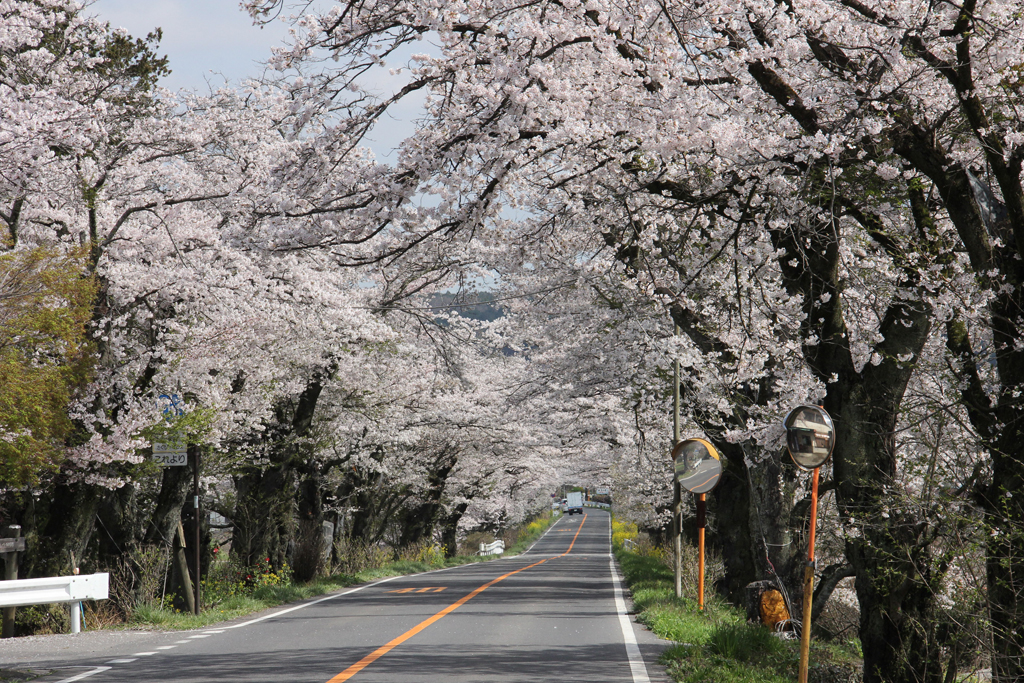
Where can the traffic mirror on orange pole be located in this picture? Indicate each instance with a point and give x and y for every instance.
(698, 470)
(810, 437)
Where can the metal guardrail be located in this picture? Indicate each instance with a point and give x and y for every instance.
(595, 504)
(46, 591)
(496, 548)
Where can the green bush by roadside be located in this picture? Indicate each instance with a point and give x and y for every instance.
(716, 644)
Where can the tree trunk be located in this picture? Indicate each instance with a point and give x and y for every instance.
(1004, 563)
(264, 516)
(174, 486)
(730, 509)
(69, 527)
(896, 576)
(450, 529)
(419, 519)
(776, 548)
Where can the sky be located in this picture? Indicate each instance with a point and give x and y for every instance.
(210, 42)
(205, 40)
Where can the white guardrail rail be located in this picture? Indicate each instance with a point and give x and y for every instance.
(46, 591)
(595, 504)
(496, 548)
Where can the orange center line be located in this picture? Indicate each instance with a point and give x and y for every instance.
(391, 645)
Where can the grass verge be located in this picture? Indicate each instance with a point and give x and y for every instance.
(265, 597)
(716, 644)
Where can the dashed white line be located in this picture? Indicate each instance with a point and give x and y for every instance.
(143, 654)
(122, 661)
(167, 647)
(201, 635)
(85, 674)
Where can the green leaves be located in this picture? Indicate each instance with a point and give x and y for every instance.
(45, 304)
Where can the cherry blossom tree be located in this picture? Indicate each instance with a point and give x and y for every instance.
(791, 139)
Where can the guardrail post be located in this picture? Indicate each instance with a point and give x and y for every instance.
(10, 574)
(76, 617)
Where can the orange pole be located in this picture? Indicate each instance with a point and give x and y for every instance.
(700, 550)
(814, 515)
(805, 629)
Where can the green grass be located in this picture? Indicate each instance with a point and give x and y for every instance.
(156, 616)
(716, 644)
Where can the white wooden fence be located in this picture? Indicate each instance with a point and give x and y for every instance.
(496, 548)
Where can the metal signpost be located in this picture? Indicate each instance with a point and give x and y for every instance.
(170, 453)
(698, 469)
(174, 453)
(810, 437)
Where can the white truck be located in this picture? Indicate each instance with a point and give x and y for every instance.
(574, 503)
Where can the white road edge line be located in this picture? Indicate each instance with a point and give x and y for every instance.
(636, 660)
(86, 674)
(553, 525)
(314, 602)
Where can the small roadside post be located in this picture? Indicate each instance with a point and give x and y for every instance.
(11, 544)
(698, 469)
(810, 437)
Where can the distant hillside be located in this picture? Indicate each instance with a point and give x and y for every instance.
(472, 305)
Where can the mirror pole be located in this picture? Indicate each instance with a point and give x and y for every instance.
(701, 521)
(677, 537)
(805, 629)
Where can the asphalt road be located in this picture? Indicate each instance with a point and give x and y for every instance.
(554, 614)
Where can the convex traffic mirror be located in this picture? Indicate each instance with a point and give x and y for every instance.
(698, 465)
(809, 436)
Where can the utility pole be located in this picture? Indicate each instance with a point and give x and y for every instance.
(196, 552)
(677, 496)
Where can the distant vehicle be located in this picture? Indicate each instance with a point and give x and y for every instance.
(574, 503)
(562, 505)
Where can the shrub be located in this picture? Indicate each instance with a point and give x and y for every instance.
(227, 580)
(623, 531)
(354, 557)
(428, 553)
